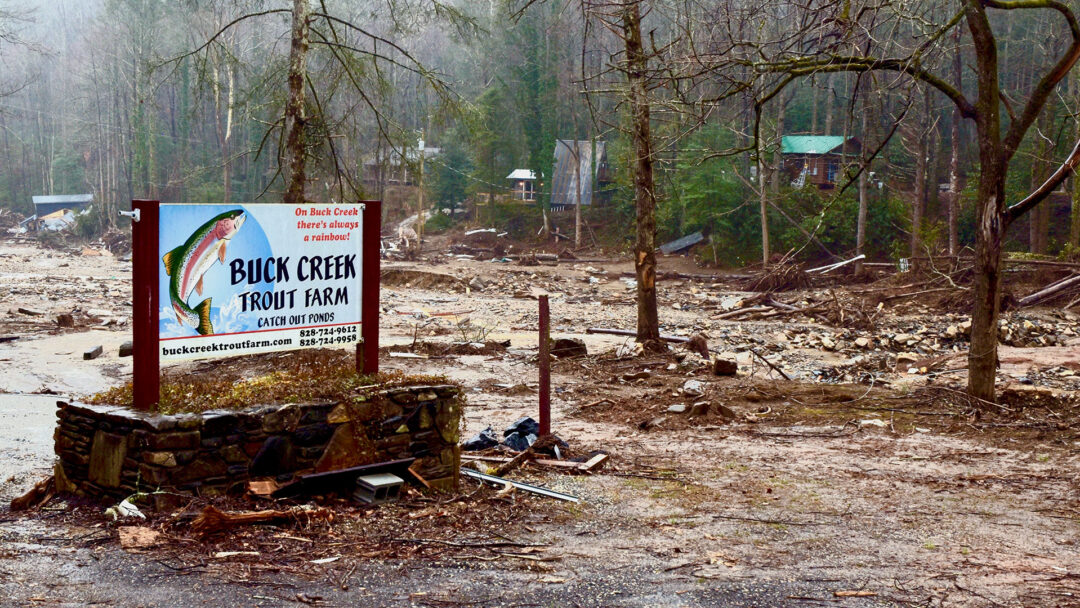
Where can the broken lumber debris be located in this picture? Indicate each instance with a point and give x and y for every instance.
(127, 349)
(36, 496)
(32, 313)
(65, 320)
(547, 442)
(572, 466)
(784, 276)
(519, 485)
(212, 520)
(342, 481)
(92, 353)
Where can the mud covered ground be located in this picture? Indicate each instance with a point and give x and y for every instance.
(866, 479)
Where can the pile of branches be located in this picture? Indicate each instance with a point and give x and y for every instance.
(785, 276)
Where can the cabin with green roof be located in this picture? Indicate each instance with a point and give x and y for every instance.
(817, 159)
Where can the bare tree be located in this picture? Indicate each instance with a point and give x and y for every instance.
(906, 39)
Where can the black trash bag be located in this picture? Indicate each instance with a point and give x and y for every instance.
(519, 442)
(483, 440)
(523, 426)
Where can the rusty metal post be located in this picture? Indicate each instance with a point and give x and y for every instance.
(144, 271)
(367, 353)
(545, 367)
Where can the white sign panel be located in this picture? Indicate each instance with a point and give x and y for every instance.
(242, 279)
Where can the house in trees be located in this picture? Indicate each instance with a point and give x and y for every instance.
(574, 161)
(57, 212)
(397, 167)
(522, 185)
(817, 160)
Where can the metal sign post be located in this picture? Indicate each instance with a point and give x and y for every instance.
(545, 367)
(144, 300)
(367, 352)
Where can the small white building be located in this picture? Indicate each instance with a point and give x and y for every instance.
(523, 185)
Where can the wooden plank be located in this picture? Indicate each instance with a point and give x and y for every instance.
(594, 462)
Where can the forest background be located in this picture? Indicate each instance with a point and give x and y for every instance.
(127, 99)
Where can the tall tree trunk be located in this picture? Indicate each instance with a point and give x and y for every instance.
(918, 198)
(954, 156)
(577, 185)
(864, 177)
(777, 159)
(989, 214)
(1074, 215)
(763, 203)
(648, 323)
(828, 104)
(295, 159)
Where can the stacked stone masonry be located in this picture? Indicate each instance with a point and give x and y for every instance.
(113, 452)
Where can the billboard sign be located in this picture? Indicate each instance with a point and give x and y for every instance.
(243, 279)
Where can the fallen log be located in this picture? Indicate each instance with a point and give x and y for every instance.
(212, 520)
(741, 311)
(1049, 291)
(632, 334)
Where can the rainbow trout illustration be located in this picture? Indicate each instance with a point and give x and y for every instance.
(187, 264)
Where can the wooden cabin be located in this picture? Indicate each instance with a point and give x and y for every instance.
(817, 160)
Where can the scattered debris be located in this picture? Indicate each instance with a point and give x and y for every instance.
(831, 267)
(566, 348)
(340, 481)
(725, 365)
(127, 349)
(378, 488)
(698, 344)
(593, 462)
(38, 495)
(854, 593)
(519, 485)
(135, 538)
(126, 508)
(481, 441)
(682, 244)
(632, 334)
(521, 434)
(212, 520)
(92, 353)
